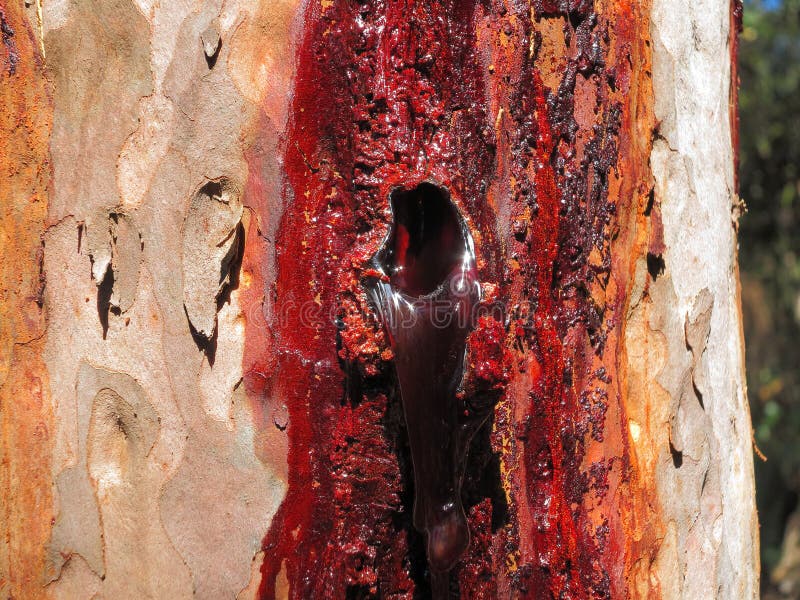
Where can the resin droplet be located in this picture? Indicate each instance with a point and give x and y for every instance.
(427, 308)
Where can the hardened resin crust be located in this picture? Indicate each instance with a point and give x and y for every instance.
(200, 394)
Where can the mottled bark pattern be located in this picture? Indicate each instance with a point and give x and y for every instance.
(198, 397)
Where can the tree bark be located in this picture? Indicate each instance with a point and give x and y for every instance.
(199, 398)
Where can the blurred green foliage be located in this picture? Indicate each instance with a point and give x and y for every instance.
(769, 105)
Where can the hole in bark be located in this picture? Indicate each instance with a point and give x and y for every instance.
(699, 395)
(104, 298)
(677, 456)
(427, 243)
(207, 345)
(655, 265)
(230, 267)
(212, 60)
(212, 44)
(651, 199)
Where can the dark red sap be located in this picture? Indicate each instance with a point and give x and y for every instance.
(426, 303)
(388, 95)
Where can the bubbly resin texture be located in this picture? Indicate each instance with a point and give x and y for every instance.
(529, 115)
(426, 304)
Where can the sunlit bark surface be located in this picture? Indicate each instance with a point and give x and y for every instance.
(197, 397)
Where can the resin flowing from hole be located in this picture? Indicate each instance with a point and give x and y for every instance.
(426, 305)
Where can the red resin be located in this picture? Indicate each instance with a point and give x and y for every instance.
(387, 96)
(427, 308)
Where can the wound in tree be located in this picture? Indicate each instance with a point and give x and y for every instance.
(426, 303)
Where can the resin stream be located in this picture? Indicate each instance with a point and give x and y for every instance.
(426, 303)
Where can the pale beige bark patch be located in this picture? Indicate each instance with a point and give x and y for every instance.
(165, 484)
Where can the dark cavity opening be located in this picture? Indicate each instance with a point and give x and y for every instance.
(104, 291)
(677, 456)
(428, 240)
(655, 265)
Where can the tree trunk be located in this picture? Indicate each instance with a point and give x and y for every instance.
(201, 392)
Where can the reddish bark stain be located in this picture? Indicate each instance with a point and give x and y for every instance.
(27, 431)
(393, 94)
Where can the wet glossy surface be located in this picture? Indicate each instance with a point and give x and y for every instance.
(426, 306)
(520, 111)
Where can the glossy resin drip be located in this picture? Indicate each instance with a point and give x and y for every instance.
(426, 303)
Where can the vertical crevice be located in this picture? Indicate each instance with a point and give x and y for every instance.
(104, 298)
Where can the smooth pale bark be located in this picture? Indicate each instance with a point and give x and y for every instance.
(711, 543)
(159, 474)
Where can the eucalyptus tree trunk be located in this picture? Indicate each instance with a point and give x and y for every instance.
(200, 393)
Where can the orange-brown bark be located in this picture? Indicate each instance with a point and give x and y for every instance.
(25, 415)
